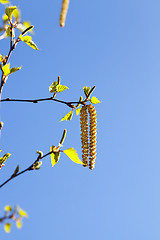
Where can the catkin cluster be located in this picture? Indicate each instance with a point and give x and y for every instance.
(63, 14)
(88, 142)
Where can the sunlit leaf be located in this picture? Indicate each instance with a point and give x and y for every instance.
(4, 158)
(8, 32)
(4, 1)
(16, 13)
(78, 111)
(53, 87)
(22, 213)
(72, 154)
(68, 116)
(9, 11)
(54, 156)
(7, 227)
(18, 224)
(61, 88)
(80, 100)
(6, 69)
(1, 58)
(8, 208)
(15, 69)
(28, 40)
(94, 100)
(4, 18)
(86, 90)
(28, 24)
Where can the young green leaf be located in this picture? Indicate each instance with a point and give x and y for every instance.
(18, 224)
(28, 40)
(86, 90)
(15, 171)
(8, 208)
(16, 14)
(61, 88)
(4, 158)
(54, 156)
(78, 111)
(72, 154)
(1, 58)
(15, 69)
(80, 100)
(22, 213)
(7, 227)
(9, 11)
(67, 117)
(94, 100)
(4, 18)
(4, 1)
(53, 87)
(28, 24)
(6, 69)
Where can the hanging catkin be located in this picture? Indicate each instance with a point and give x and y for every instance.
(63, 14)
(84, 135)
(92, 135)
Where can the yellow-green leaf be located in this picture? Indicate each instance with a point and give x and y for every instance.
(72, 154)
(9, 11)
(40, 153)
(28, 24)
(86, 90)
(15, 69)
(94, 100)
(8, 208)
(68, 116)
(8, 32)
(15, 171)
(4, 158)
(1, 58)
(5, 18)
(16, 13)
(54, 156)
(18, 224)
(6, 69)
(7, 227)
(61, 88)
(78, 111)
(28, 40)
(22, 213)
(53, 87)
(80, 100)
(4, 1)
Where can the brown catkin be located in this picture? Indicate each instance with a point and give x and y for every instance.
(63, 14)
(84, 135)
(92, 135)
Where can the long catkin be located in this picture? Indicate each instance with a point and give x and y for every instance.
(63, 14)
(84, 135)
(92, 135)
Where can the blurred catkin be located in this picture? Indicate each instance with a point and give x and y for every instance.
(63, 14)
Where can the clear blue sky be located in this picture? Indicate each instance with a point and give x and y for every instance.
(114, 45)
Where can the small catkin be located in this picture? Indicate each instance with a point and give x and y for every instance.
(92, 135)
(84, 135)
(63, 14)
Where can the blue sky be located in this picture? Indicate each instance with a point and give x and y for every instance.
(114, 45)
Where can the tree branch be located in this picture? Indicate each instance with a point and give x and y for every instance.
(31, 167)
(69, 104)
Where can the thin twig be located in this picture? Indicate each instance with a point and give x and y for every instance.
(69, 104)
(31, 167)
